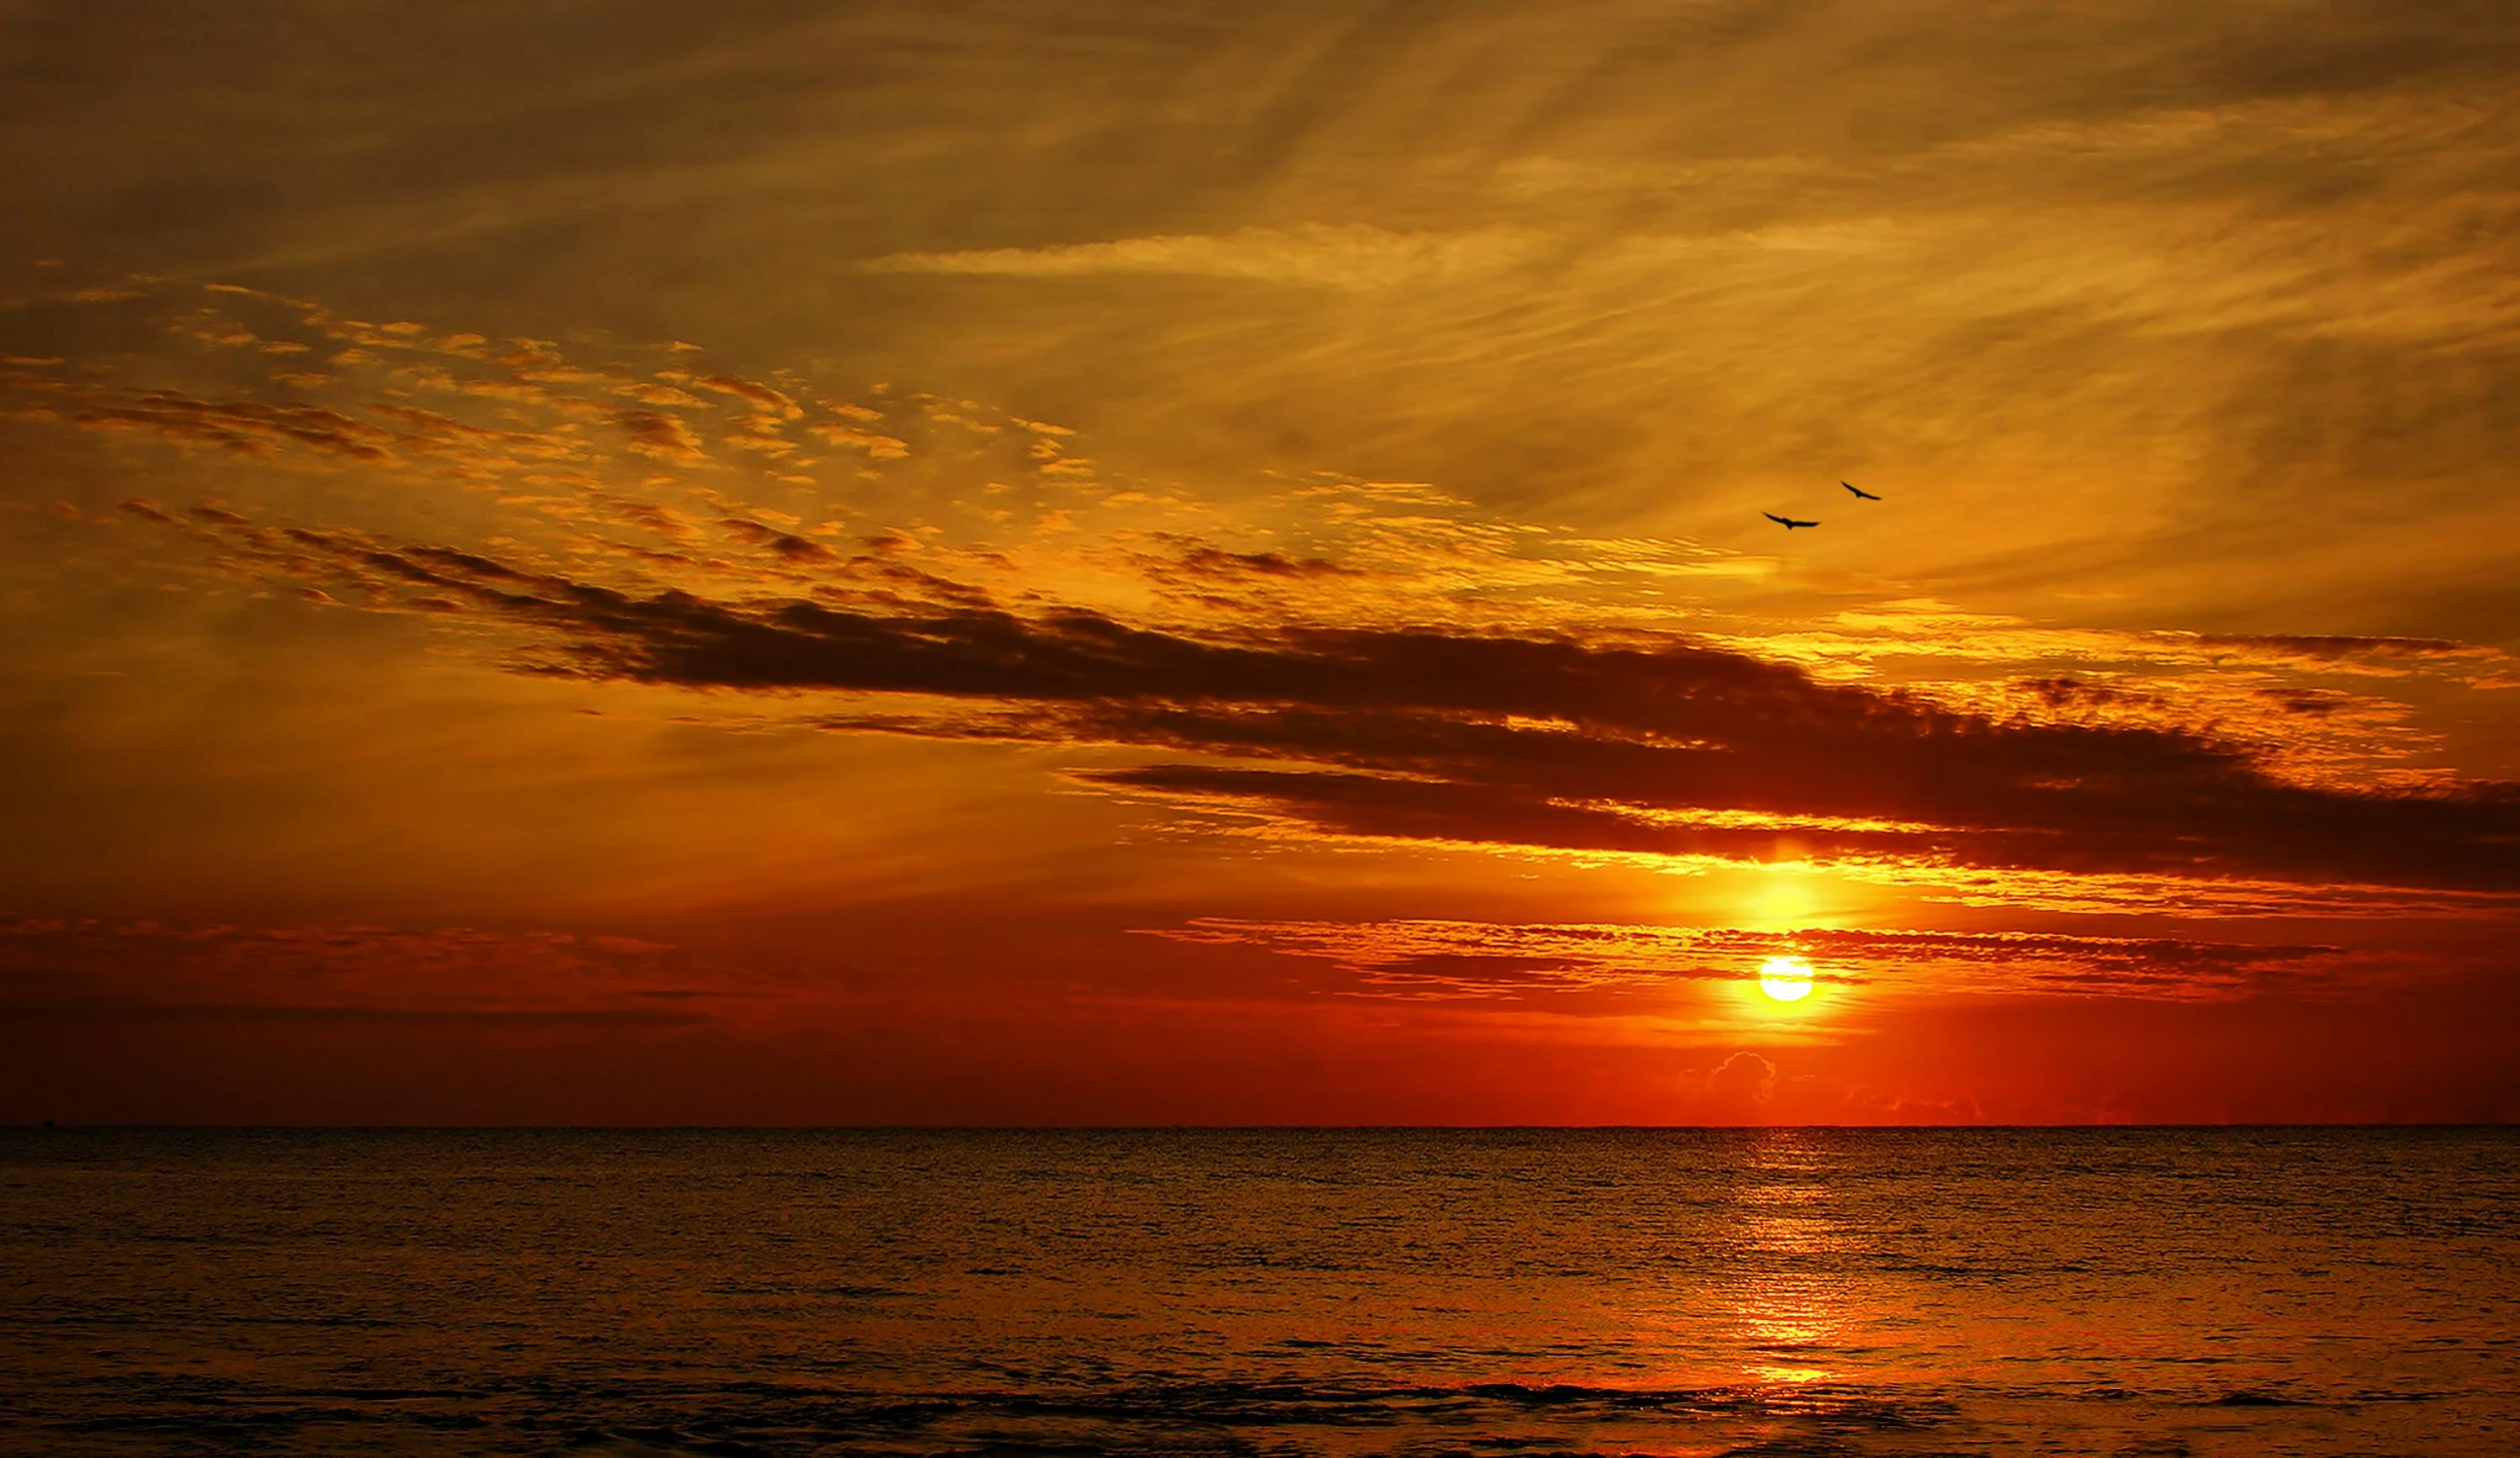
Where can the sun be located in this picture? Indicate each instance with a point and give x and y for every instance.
(1786, 978)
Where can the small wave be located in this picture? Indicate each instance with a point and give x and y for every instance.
(659, 1440)
(723, 1419)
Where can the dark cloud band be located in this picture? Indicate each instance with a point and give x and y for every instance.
(1674, 748)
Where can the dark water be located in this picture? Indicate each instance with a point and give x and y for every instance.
(1775, 1292)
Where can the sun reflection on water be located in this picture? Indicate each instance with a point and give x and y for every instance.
(1787, 1308)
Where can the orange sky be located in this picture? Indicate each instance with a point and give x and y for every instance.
(1004, 564)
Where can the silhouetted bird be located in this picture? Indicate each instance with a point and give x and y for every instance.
(1787, 522)
(1860, 492)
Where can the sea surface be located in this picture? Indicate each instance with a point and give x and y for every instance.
(1502, 1292)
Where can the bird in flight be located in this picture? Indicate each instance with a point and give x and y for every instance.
(1860, 492)
(1787, 522)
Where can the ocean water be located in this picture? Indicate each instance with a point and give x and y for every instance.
(1505, 1292)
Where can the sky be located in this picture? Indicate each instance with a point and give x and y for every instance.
(1102, 564)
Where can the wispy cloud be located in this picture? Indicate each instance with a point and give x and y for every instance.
(1486, 961)
(65, 969)
(1352, 256)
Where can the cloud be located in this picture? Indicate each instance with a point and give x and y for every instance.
(1484, 961)
(1324, 254)
(1744, 1077)
(880, 448)
(245, 428)
(1549, 743)
(1209, 561)
(66, 969)
(762, 398)
(663, 437)
(786, 546)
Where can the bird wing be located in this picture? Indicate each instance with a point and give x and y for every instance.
(1779, 520)
(1859, 491)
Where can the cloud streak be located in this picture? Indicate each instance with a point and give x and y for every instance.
(1319, 255)
(83, 970)
(1449, 960)
(1674, 749)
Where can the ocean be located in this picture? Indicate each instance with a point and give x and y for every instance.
(1077, 1292)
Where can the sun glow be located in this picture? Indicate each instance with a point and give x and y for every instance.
(1786, 978)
